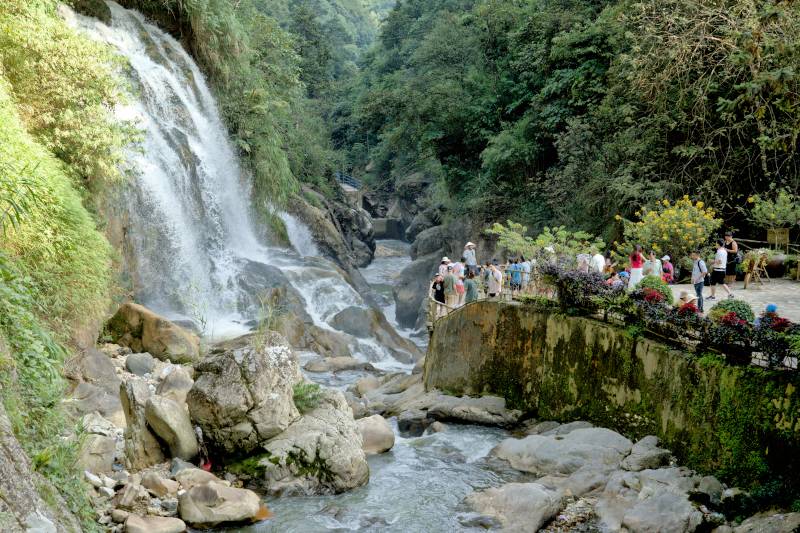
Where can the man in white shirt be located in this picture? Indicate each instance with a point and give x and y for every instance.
(598, 262)
(718, 271)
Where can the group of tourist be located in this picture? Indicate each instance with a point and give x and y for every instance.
(460, 282)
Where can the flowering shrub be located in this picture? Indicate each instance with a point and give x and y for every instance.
(688, 309)
(731, 319)
(576, 289)
(677, 228)
(659, 285)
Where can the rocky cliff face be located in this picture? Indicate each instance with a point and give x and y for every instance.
(741, 421)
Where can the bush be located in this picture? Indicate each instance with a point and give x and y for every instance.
(658, 284)
(306, 396)
(740, 307)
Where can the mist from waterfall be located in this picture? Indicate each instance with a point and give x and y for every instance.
(189, 217)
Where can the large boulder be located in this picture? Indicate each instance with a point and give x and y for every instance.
(266, 285)
(772, 523)
(353, 320)
(97, 453)
(519, 507)
(141, 330)
(411, 290)
(646, 454)
(243, 393)
(429, 241)
(319, 453)
(142, 449)
(565, 454)
(210, 504)
(170, 421)
(176, 384)
(376, 434)
(362, 322)
(95, 386)
(662, 512)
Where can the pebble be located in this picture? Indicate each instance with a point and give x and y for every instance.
(107, 492)
(119, 516)
(109, 482)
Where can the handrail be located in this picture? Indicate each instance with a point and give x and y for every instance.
(346, 179)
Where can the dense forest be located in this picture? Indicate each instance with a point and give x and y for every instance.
(569, 112)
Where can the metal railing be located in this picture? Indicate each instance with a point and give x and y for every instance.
(346, 179)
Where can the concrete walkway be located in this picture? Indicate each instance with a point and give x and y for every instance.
(782, 292)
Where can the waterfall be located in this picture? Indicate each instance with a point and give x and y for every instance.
(197, 253)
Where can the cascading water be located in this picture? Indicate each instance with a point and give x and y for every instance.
(195, 246)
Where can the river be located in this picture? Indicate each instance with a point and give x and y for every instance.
(418, 485)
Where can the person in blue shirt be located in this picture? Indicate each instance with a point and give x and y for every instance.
(516, 277)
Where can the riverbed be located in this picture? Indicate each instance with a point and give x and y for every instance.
(420, 484)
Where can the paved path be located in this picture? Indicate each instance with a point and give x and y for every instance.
(782, 292)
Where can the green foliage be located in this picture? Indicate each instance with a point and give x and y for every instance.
(658, 284)
(65, 87)
(307, 396)
(552, 241)
(31, 387)
(551, 112)
(57, 245)
(779, 210)
(17, 194)
(742, 309)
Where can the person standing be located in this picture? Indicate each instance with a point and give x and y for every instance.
(718, 272)
(667, 270)
(516, 277)
(443, 266)
(525, 265)
(652, 266)
(598, 261)
(450, 294)
(495, 284)
(732, 247)
(699, 273)
(471, 288)
(437, 287)
(637, 264)
(469, 257)
(459, 269)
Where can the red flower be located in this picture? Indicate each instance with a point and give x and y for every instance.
(780, 324)
(652, 296)
(688, 309)
(732, 319)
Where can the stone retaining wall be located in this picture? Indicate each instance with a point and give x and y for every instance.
(742, 423)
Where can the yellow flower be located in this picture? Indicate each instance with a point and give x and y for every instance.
(617, 217)
(700, 205)
(638, 213)
(750, 199)
(665, 202)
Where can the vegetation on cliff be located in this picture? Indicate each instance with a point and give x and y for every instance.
(567, 112)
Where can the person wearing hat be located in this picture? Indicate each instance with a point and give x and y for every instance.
(443, 266)
(686, 298)
(668, 271)
(770, 313)
(469, 257)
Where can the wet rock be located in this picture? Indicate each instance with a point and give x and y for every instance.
(170, 421)
(140, 363)
(438, 427)
(176, 384)
(353, 320)
(518, 506)
(243, 393)
(358, 405)
(153, 524)
(140, 329)
(141, 446)
(319, 453)
(646, 454)
(565, 454)
(212, 504)
(97, 453)
(772, 523)
(337, 364)
(376, 433)
(260, 283)
(413, 423)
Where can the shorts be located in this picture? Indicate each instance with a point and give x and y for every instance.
(730, 269)
(717, 277)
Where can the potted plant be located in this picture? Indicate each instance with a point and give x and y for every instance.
(776, 213)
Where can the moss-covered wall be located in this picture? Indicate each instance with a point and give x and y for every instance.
(742, 423)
